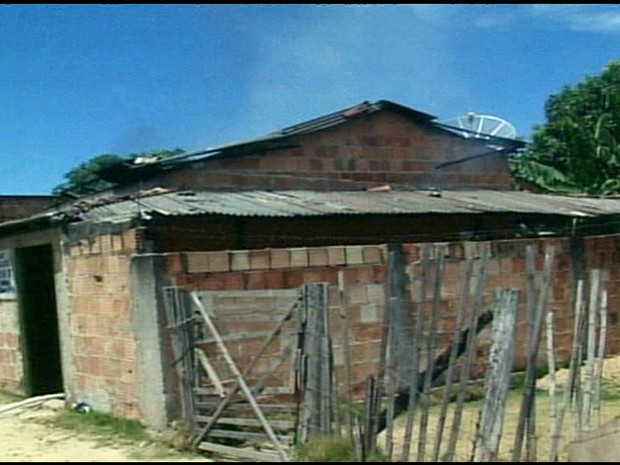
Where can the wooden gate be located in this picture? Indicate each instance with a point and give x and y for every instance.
(250, 379)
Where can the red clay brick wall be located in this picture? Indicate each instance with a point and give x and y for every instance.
(367, 151)
(13, 207)
(216, 274)
(604, 253)
(11, 366)
(102, 338)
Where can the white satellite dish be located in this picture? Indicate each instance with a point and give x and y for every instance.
(474, 125)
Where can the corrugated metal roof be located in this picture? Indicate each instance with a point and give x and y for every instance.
(312, 203)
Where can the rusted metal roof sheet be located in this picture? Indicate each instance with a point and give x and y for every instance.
(312, 203)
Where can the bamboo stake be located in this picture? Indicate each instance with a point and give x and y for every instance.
(452, 360)
(415, 358)
(389, 433)
(380, 381)
(600, 357)
(369, 430)
(576, 377)
(553, 410)
(346, 346)
(430, 350)
(568, 390)
(530, 381)
(591, 349)
(466, 368)
(532, 298)
(328, 370)
(239, 378)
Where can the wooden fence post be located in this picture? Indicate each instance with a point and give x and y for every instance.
(470, 353)
(498, 377)
(534, 342)
(317, 408)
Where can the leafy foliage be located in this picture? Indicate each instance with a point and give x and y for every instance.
(578, 148)
(85, 178)
(89, 177)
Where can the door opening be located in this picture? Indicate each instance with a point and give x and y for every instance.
(39, 320)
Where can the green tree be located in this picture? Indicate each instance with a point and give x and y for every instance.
(93, 175)
(577, 150)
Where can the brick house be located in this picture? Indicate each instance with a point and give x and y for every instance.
(246, 224)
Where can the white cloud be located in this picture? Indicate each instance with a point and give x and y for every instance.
(350, 55)
(583, 18)
(494, 20)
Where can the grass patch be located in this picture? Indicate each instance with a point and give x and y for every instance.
(102, 424)
(333, 448)
(109, 430)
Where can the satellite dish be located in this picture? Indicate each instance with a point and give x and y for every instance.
(476, 126)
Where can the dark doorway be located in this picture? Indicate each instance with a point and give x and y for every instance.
(39, 317)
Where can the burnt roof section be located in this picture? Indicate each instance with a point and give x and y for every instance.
(283, 138)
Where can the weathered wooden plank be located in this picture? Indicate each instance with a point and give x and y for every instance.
(236, 336)
(346, 347)
(593, 310)
(534, 342)
(241, 382)
(532, 297)
(243, 406)
(316, 370)
(215, 379)
(238, 453)
(247, 435)
(266, 391)
(470, 355)
(600, 357)
(553, 409)
(431, 345)
(281, 425)
(415, 358)
(498, 378)
(460, 316)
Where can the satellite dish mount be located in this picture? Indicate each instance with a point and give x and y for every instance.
(476, 126)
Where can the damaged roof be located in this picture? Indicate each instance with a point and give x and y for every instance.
(284, 138)
(307, 203)
(298, 203)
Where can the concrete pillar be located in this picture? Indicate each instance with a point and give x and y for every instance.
(146, 321)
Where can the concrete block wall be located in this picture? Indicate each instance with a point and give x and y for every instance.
(103, 346)
(11, 366)
(366, 151)
(364, 273)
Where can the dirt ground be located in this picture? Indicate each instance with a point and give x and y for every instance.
(27, 435)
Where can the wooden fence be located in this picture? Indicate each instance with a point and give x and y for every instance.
(422, 402)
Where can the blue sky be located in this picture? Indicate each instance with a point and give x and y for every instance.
(78, 81)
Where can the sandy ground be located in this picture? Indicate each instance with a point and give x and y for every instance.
(26, 435)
